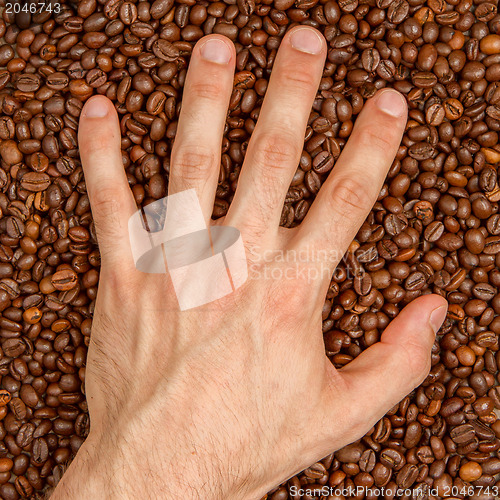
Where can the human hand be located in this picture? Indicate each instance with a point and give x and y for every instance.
(229, 399)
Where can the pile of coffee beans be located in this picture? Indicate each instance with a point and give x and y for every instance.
(435, 226)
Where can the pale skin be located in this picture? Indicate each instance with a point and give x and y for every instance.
(228, 400)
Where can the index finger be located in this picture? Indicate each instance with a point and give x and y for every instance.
(350, 191)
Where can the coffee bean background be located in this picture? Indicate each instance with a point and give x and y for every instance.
(435, 227)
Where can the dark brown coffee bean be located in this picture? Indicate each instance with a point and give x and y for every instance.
(415, 281)
(25, 435)
(424, 79)
(28, 82)
(462, 434)
(35, 181)
(392, 458)
(370, 59)
(10, 153)
(64, 280)
(350, 453)
(13, 347)
(323, 162)
(394, 224)
(435, 114)
(40, 452)
(165, 50)
(5, 397)
(488, 179)
(407, 476)
(421, 151)
(492, 245)
(160, 8)
(156, 103)
(362, 284)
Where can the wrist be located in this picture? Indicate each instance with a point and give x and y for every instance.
(111, 473)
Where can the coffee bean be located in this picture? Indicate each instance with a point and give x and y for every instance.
(35, 181)
(362, 284)
(370, 59)
(160, 7)
(415, 281)
(25, 435)
(492, 245)
(394, 224)
(5, 398)
(10, 153)
(421, 151)
(470, 471)
(64, 280)
(424, 79)
(407, 476)
(349, 454)
(435, 114)
(165, 50)
(453, 109)
(367, 461)
(462, 433)
(392, 458)
(323, 162)
(28, 82)
(40, 452)
(13, 347)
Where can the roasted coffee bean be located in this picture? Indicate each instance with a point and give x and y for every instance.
(35, 181)
(350, 454)
(368, 461)
(370, 59)
(392, 458)
(5, 397)
(28, 82)
(24, 436)
(64, 280)
(470, 471)
(462, 434)
(407, 476)
(165, 50)
(40, 452)
(421, 151)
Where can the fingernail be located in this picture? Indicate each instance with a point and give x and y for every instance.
(96, 108)
(306, 40)
(215, 50)
(391, 102)
(437, 317)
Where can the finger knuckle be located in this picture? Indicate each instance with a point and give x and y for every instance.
(94, 138)
(209, 90)
(418, 359)
(350, 193)
(378, 140)
(106, 207)
(193, 162)
(275, 151)
(288, 297)
(105, 201)
(298, 78)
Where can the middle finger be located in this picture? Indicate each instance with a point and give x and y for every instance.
(276, 145)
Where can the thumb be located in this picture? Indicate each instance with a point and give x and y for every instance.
(382, 375)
